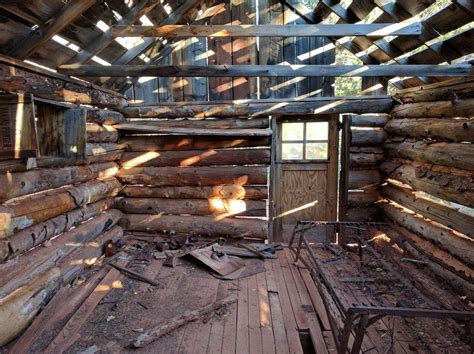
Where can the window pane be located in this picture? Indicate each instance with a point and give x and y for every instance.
(316, 151)
(290, 151)
(292, 131)
(317, 131)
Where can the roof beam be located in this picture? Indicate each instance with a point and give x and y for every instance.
(337, 30)
(267, 70)
(68, 13)
(103, 40)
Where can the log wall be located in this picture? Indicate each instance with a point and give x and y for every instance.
(213, 185)
(429, 197)
(65, 205)
(365, 156)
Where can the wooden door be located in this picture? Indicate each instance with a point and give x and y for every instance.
(305, 176)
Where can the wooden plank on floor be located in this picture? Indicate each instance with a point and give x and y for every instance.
(278, 326)
(255, 335)
(266, 325)
(71, 332)
(242, 340)
(217, 328)
(230, 325)
(300, 300)
(151, 271)
(291, 325)
(315, 298)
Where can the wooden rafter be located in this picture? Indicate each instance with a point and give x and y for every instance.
(68, 13)
(267, 70)
(324, 30)
(103, 40)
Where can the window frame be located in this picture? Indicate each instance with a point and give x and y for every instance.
(304, 141)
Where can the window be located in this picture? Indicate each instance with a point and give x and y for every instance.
(307, 141)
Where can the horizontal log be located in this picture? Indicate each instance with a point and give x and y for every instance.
(194, 176)
(22, 183)
(448, 215)
(450, 129)
(445, 154)
(229, 123)
(367, 136)
(18, 76)
(454, 89)
(34, 235)
(104, 116)
(172, 143)
(203, 192)
(361, 179)
(454, 188)
(198, 225)
(256, 108)
(440, 262)
(196, 158)
(212, 206)
(19, 308)
(32, 209)
(361, 159)
(459, 245)
(366, 197)
(266, 70)
(131, 127)
(97, 133)
(367, 149)
(321, 30)
(367, 213)
(18, 272)
(93, 149)
(438, 109)
(369, 120)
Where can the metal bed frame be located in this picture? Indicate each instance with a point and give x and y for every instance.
(358, 318)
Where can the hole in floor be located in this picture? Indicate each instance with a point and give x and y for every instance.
(306, 341)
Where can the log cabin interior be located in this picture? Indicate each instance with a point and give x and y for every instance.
(237, 176)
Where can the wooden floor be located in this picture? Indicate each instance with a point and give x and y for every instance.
(274, 309)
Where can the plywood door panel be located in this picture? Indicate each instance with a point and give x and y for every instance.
(303, 195)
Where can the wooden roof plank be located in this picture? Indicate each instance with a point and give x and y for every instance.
(267, 70)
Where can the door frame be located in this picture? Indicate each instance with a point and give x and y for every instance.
(276, 170)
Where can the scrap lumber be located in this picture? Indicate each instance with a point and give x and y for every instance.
(438, 109)
(18, 308)
(154, 333)
(446, 154)
(214, 206)
(196, 158)
(71, 331)
(101, 133)
(199, 225)
(174, 143)
(231, 191)
(442, 183)
(456, 130)
(64, 303)
(22, 183)
(134, 275)
(430, 70)
(194, 176)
